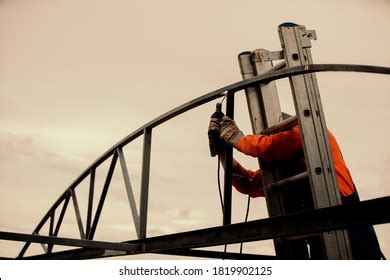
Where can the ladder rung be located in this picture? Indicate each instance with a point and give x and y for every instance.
(283, 125)
(278, 66)
(290, 180)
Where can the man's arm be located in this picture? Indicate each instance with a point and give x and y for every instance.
(245, 180)
(278, 146)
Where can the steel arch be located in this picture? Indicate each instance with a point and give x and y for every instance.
(115, 151)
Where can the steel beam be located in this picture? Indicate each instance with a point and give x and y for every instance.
(78, 215)
(74, 254)
(51, 227)
(255, 81)
(216, 255)
(227, 190)
(319, 220)
(33, 238)
(145, 183)
(82, 254)
(375, 211)
(90, 200)
(130, 194)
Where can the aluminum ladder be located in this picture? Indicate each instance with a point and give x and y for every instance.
(290, 189)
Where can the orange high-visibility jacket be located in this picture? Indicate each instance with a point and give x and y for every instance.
(281, 146)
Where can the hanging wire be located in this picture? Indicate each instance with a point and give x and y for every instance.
(246, 216)
(220, 194)
(219, 182)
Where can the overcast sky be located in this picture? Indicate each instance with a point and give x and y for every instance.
(77, 76)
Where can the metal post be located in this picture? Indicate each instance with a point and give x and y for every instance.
(227, 191)
(90, 201)
(143, 213)
(51, 227)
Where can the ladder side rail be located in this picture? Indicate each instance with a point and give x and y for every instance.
(264, 111)
(314, 135)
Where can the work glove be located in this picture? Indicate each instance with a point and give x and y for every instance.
(215, 143)
(229, 132)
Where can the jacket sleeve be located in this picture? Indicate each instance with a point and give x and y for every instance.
(279, 146)
(247, 181)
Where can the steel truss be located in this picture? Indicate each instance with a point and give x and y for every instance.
(325, 219)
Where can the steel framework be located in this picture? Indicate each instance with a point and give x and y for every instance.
(306, 223)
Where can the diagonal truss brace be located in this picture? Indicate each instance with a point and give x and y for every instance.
(129, 190)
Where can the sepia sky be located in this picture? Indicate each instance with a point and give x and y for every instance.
(77, 76)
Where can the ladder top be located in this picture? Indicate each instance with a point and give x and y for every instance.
(287, 24)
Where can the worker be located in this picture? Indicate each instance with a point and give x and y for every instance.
(286, 145)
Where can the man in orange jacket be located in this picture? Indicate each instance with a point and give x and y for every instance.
(285, 145)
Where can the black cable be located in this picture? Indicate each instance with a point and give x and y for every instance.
(246, 216)
(219, 185)
(221, 200)
(219, 182)
(220, 196)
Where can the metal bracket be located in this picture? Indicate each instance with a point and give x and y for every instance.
(262, 55)
(307, 36)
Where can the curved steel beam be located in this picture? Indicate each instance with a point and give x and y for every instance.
(265, 78)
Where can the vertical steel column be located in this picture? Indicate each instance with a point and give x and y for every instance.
(227, 191)
(295, 42)
(90, 200)
(51, 227)
(143, 213)
(51, 230)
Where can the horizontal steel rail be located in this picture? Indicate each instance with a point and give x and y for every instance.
(266, 78)
(216, 254)
(33, 238)
(374, 211)
(83, 254)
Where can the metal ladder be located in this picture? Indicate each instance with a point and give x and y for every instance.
(289, 188)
